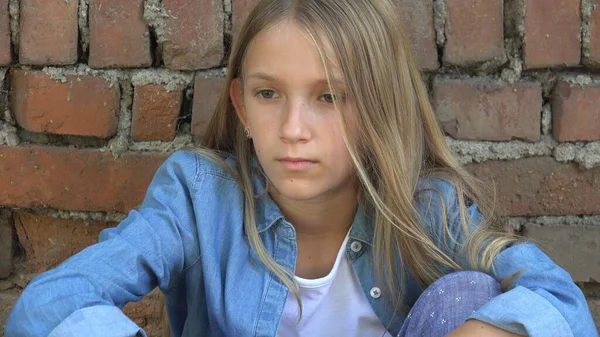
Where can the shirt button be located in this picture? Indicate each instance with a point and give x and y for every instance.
(375, 292)
(356, 246)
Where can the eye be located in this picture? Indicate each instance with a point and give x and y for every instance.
(267, 94)
(330, 98)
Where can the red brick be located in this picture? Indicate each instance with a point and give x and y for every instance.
(155, 112)
(474, 31)
(119, 35)
(575, 248)
(241, 10)
(5, 45)
(594, 29)
(147, 313)
(48, 241)
(147, 308)
(193, 34)
(576, 112)
(70, 179)
(417, 16)
(552, 33)
(6, 243)
(478, 110)
(49, 32)
(541, 186)
(207, 92)
(83, 105)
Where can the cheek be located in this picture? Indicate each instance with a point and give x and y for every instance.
(337, 148)
(262, 123)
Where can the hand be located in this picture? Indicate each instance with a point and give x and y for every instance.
(477, 328)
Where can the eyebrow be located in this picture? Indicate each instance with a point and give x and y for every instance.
(267, 77)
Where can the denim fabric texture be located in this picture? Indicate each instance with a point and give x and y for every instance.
(187, 238)
(448, 302)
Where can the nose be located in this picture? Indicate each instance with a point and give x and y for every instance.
(295, 122)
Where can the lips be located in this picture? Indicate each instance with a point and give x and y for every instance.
(297, 160)
(295, 163)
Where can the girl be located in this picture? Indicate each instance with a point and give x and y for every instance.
(323, 202)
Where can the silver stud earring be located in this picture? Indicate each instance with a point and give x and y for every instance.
(247, 133)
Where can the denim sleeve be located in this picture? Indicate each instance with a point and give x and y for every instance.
(147, 249)
(543, 300)
(97, 321)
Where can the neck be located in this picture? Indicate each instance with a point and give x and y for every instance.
(326, 217)
(321, 225)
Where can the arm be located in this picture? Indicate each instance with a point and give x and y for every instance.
(543, 300)
(474, 328)
(144, 251)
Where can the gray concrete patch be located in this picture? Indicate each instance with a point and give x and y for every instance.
(60, 74)
(14, 12)
(86, 216)
(586, 13)
(439, 21)
(492, 65)
(476, 152)
(578, 78)
(84, 30)
(8, 130)
(155, 15)
(547, 119)
(566, 152)
(587, 155)
(169, 78)
(180, 141)
(8, 134)
(228, 12)
(514, 22)
(120, 143)
(7, 118)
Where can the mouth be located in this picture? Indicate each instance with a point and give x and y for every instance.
(296, 163)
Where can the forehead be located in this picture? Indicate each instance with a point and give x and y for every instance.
(285, 50)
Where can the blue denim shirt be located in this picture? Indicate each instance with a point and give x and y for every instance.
(187, 238)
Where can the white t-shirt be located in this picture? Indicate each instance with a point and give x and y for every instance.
(334, 305)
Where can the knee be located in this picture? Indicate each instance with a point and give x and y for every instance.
(468, 282)
(465, 288)
(448, 302)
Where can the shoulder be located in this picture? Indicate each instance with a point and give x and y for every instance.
(436, 199)
(435, 190)
(194, 170)
(200, 162)
(436, 202)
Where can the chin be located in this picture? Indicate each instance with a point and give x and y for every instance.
(298, 190)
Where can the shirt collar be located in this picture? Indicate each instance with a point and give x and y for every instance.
(362, 226)
(266, 210)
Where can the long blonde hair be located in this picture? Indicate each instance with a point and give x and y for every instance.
(400, 140)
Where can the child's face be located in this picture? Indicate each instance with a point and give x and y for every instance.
(285, 101)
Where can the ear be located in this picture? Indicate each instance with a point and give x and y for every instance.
(236, 94)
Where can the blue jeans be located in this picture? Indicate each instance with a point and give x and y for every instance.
(446, 303)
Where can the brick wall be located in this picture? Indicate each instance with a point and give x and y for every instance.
(94, 94)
